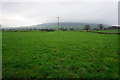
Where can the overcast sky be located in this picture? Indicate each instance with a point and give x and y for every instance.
(31, 13)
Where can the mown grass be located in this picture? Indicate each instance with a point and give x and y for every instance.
(69, 55)
(0, 54)
(111, 31)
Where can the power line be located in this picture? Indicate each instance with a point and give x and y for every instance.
(58, 25)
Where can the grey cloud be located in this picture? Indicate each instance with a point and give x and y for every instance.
(31, 13)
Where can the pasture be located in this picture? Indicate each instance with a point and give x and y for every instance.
(110, 31)
(72, 54)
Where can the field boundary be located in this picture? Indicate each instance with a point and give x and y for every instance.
(103, 32)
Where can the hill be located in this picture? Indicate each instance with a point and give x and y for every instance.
(53, 25)
(75, 25)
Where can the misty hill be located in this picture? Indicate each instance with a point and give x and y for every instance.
(74, 25)
(68, 25)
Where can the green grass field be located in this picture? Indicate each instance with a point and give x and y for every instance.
(110, 31)
(72, 54)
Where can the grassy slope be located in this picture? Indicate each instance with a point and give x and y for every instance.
(72, 54)
(0, 54)
(111, 31)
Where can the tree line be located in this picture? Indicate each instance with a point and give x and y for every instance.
(86, 27)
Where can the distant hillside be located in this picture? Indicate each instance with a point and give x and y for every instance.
(74, 25)
(68, 25)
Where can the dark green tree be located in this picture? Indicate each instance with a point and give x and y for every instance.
(87, 27)
(100, 27)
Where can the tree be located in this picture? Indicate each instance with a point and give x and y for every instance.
(87, 27)
(100, 27)
(71, 28)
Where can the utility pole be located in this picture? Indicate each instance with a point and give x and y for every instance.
(58, 25)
